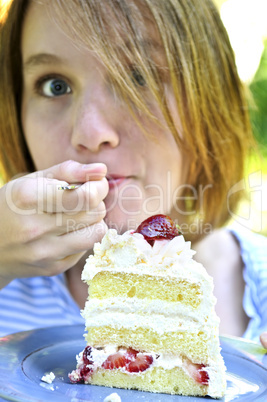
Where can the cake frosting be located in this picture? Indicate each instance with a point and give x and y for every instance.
(131, 250)
(150, 303)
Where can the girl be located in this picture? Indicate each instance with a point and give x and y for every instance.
(139, 103)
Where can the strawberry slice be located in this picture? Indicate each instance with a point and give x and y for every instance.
(115, 361)
(200, 375)
(158, 227)
(141, 363)
(85, 371)
(197, 372)
(132, 360)
(87, 355)
(131, 354)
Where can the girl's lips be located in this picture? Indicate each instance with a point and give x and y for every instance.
(115, 180)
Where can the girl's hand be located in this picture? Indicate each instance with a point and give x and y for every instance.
(44, 230)
(263, 339)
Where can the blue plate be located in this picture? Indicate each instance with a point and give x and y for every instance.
(26, 356)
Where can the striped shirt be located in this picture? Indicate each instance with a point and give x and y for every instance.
(39, 302)
(254, 254)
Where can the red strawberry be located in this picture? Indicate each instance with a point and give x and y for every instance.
(131, 354)
(203, 376)
(87, 355)
(158, 227)
(114, 361)
(86, 369)
(84, 372)
(197, 372)
(132, 360)
(141, 363)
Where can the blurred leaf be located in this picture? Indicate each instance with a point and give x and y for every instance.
(258, 114)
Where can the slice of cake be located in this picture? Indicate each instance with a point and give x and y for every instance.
(150, 318)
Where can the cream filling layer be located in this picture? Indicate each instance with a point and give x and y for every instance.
(156, 322)
(203, 314)
(191, 272)
(166, 361)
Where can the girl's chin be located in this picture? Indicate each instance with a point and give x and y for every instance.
(128, 213)
(122, 221)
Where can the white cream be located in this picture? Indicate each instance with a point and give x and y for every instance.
(133, 253)
(157, 323)
(114, 397)
(202, 314)
(48, 378)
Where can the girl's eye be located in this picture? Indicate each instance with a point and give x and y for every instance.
(55, 87)
(138, 78)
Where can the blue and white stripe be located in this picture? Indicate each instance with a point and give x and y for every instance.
(31, 303)
(254, 254)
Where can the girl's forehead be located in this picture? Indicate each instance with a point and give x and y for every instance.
(115, 31)
(118, 22)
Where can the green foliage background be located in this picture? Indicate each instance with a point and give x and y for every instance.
(258, 112)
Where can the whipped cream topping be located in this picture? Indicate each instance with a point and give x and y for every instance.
(131, 252)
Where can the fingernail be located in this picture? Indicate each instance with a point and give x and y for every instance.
(263, 339)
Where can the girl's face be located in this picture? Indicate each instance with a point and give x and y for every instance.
(70, 111)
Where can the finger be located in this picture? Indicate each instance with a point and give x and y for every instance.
(60, 224)
(29, 195)
(85, 198)
(80, 220)
(67, 262)
(75, 172)
(42, 267)
(82, 239)
(57, 224)
(23, 193)
(263, 339)
(48, 256)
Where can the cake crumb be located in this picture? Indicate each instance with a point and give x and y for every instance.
(48, 378)
(113, 398)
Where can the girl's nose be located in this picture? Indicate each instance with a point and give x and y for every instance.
(94, 125)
